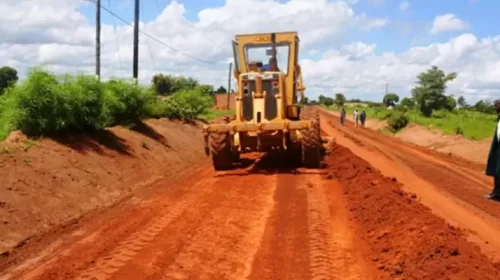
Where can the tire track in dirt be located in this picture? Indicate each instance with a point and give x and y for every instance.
(151, 261)
(329, 249)
(224, 245)
(284, 251)
(320, 244)
(105, 267)
(307, 237)
(106, 233)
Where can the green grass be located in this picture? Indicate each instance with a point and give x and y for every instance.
(474, 125)
(212, 114)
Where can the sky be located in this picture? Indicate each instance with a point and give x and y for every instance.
(353, 46)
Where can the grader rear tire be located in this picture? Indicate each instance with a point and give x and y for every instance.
(220, 148)
(311, 139)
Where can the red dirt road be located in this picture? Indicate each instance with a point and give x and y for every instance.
(452, 187)
(264, 220)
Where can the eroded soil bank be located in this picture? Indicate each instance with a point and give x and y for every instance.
(50, 182)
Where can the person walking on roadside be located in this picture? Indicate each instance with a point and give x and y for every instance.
(342, 116)
(356, 116)
(493, 164)
(362, 118)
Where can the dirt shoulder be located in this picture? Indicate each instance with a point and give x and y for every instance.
(50, 182)
(436, 140)
(452, 187)
(405, 239)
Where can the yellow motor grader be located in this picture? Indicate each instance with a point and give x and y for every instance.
(269, 115)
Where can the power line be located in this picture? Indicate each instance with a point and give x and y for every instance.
(147, 41)
(152, 37)
(191, 27)
(117, 39)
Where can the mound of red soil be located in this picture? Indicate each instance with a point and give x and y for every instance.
(52, 181)
(407, 240)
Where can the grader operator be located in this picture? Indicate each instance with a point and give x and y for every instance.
(268, 115)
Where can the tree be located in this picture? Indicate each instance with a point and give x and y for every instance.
(430, 89)
(221, 89)
(324, 100)
(339, 99)
(321, 99)
(8, 77)
(163, 84)
(206, 89)
(390, 99)
(168, 84)
(408, 102)
(450, 103)
(484, 106)
(462, 103)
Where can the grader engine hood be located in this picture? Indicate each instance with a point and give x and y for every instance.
(261, 96)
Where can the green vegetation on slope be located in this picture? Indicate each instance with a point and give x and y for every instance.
(45, 103)
(470, 124)
(429, 105)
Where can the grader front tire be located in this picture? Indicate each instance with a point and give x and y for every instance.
(220, 148)
(311, 140)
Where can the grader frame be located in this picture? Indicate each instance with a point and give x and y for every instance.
(268, 116)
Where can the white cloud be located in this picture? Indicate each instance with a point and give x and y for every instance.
(475, 60)
(403, 6)
(352, 67)
(448, 22)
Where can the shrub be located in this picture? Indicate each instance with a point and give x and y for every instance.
(126, 103)
(8, 112)
(397, 121)
(80, 103)
(387, 115)
(84, 96)
(43, 106)
(186, 104)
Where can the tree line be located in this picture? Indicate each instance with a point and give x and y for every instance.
(427, 96)
(166, 85)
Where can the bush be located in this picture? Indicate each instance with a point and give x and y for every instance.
(186, 104)
(387, 115)
(45, 104)
(78, 103)
(85, 98)
(127, 103)
(397, 121)
(8, 112)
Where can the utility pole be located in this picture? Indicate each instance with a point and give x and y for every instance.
(136, 42)
(98, 40)
(386, 88)
(229, 85)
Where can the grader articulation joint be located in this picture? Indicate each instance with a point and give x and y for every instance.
(268, 115)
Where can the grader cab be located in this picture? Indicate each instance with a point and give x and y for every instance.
(268, 115)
